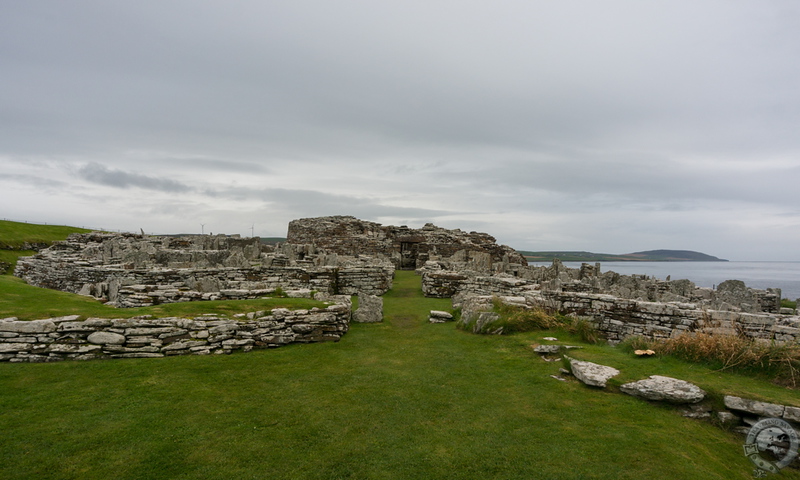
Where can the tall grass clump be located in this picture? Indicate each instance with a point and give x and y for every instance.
(517, 319)
(585, 330)
(778, 361)
(636, 342)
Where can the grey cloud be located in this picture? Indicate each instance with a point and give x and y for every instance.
(522, 110)
(33, 181)
(102, 175)
(311, 203)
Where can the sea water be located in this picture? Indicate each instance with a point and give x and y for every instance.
(762, 275)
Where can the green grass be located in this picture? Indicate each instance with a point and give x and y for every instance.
(18, 299)
(401, 399)
(15, 234)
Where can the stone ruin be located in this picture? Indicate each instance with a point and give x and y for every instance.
(618, 305)
(457, 275)
(407, 248)
(346, 256)
(129, 270)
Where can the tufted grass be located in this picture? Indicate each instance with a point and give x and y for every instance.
(402, 399)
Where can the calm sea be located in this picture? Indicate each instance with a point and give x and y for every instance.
(783, 275)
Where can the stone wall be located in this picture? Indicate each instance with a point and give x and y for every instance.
(407, 248)
(68, 337)
(618, 318)
(621, 305)
(133, 270)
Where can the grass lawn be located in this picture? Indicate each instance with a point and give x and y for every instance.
(403, 399)
(20, 300)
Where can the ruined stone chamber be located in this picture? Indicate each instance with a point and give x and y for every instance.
(617, 305)
(407, 248)
(128, 270)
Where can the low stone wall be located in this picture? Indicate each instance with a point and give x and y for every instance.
(68, 338)
(618, 318)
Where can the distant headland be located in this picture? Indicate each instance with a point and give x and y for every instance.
(647, 256)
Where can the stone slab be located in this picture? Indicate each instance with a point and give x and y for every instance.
(664, 389)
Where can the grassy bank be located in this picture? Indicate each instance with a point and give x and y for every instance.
(16, 234)
(400, 399)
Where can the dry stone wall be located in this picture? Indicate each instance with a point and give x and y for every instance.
(69, 338)
(133, 271)
(407, 248)
(618, 318)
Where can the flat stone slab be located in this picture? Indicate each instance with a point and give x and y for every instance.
(592, 374)
(664, 389)
(762, 409)
(106, 338)
(439, 316)
(544, 349)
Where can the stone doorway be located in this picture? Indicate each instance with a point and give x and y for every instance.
(408, 255)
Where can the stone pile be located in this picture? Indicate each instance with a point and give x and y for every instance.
(69, 337)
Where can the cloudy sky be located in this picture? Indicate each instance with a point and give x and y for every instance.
(613, 126)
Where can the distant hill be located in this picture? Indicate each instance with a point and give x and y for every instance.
(648, 256)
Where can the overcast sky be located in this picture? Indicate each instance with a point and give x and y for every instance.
(611, 126)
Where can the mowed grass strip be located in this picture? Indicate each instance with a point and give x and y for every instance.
(398, 400)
